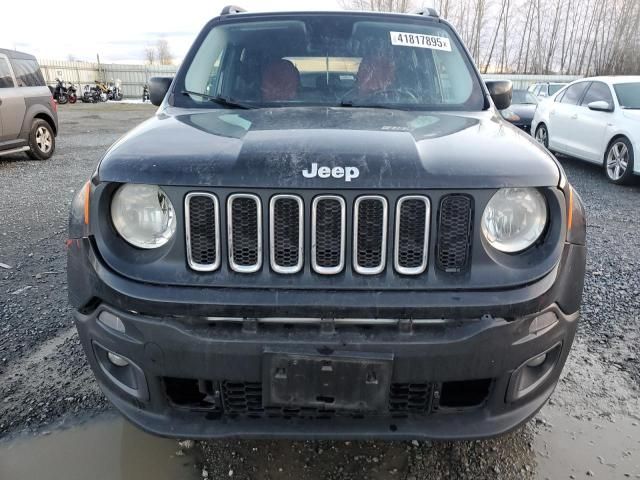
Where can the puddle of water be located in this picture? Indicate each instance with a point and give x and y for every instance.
(587, 449)
(105, 449)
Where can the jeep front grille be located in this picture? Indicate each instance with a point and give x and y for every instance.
(328, 219)
(328, 231)
(202, 223)
(286, 233)
(369, 234)
(244, 222)
(454, 232)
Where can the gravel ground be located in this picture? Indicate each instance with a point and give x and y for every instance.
(589, 429)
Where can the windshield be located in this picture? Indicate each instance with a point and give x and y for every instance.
(555, 87)
(628, 94)
(523, 97)
(334, 60)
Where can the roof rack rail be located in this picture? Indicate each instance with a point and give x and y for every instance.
(231, 9)
(429, 12)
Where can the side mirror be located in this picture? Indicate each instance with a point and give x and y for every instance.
(600, 106)
(158, 88)
(501, 92)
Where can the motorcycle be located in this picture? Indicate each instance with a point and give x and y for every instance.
(111, 90)
(72, 93)
(60, 92)
(92, 95)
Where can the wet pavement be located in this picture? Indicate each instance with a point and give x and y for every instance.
(106, 448)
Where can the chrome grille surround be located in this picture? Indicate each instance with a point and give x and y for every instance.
(357, 236)
(233, 264)
(189, 235)
(323, 270)
(404, 270)
(272, 234)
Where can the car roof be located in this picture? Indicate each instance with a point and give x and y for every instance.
(16, 54)
(426, 14)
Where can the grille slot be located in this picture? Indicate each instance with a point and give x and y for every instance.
(244, 223)
(412, 234)
(369, 234)
(328, 234)
(202, 231)
(244, 399)
(454, 233)
(286, 233)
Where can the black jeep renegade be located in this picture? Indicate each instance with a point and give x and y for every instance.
(327, 231)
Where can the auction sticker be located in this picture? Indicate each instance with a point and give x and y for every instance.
(420, 40)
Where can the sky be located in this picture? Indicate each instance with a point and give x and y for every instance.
(35, 27)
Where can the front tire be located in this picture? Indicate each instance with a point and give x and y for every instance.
(42, 141)
(542, 135)
(618, 161)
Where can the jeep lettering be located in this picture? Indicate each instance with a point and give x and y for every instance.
(348, 173)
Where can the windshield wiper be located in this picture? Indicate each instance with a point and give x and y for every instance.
(220, 100)
(350, 103)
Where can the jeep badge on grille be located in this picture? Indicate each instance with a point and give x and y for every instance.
(348, 173)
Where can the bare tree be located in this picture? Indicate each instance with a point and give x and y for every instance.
(402, 6)
(539, 36)
(150, 55)
(163, 52)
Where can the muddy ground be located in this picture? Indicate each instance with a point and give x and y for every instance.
(589, 429)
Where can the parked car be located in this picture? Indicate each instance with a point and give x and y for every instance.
(520, 113)
(545, 89)
(283, 251)
(597, 120)
(28, 114)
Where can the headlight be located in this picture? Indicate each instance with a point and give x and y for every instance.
(143, 215)
(510, 115)
(514, 219)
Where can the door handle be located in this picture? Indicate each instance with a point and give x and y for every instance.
(552, 112)
(574, 116)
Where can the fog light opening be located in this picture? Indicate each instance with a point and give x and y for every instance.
(117, 360)
(537, 361)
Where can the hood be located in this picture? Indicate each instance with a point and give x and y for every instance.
(523, 110)
(314, 147)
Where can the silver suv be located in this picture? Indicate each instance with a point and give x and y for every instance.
(28, 114)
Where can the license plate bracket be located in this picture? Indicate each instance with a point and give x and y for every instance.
(341, 380)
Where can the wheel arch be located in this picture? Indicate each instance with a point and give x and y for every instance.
(616, 136)
(48, 119)
(38, 111)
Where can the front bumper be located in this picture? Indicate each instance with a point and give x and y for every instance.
(221, 354)
(196, 358)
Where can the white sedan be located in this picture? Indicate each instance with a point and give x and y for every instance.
(595, 119)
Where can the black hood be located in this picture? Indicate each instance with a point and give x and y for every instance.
(272, 148)
(525, 111)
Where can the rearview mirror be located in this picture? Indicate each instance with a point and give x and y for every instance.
(501, 92)
(600, 106)
(158, 88)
